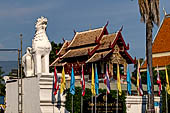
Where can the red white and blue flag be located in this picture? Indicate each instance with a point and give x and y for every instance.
(106, 80)
(82, 82)
(56, 84)
(139, 81)
(159, 82)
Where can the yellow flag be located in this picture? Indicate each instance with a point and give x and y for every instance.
(92, 82)
(63, 81)
(167, 81)
(118, 81)
(138, 72)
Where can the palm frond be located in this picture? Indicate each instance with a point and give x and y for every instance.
(149, 8)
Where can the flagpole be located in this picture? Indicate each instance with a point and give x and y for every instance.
(166, 103)
(117, 102)
(81, 104)
(72, 103)
(92, 103)
(106, 101)
(95, 104)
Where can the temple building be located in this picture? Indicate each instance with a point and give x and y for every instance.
(94, 46)
(161, 46)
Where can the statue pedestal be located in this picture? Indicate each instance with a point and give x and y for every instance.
(46, 85)
(37, 95)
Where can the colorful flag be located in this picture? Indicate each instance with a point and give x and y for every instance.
(128, 81)
(53, 90)
(72, 82)
(118, 80)
(159, 82)
(82, 82)
(63, 82)
(56, 84)
(139, 82)
(167, 81)
(148, 82)
(96, 81)
(106, 80)
(92, 82)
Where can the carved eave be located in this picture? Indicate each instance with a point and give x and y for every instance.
(90, 53)
(127, 56)
(104, 44)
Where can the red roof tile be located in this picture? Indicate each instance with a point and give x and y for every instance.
(160, 61)
(162, 40)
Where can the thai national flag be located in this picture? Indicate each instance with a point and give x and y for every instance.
(159, 82)
(140, 86)
(106, 80)
(139, 81)
(82, 82)
(56, 84)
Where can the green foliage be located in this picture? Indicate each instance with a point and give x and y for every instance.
(77, 98)
(2, 86)
(1, 72)
(53, 56)
(163, 82)
(134, 73)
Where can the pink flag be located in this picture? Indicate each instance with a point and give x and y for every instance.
(82, 82)
(56, 85)
(107, 81)
(159, 82)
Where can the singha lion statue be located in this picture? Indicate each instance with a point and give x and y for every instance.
(39, 53)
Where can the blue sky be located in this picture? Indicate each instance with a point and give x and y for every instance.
(66, 15)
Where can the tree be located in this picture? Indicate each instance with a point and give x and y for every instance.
(149, 11)
(2, 86)
(53, 56)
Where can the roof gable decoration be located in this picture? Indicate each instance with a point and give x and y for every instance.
(119, 36)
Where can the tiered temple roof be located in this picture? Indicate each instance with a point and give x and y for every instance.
(161, 46)
(92, 46)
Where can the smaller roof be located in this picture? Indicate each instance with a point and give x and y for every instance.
(86, 37)
(160, 61)
(98, 56)
(78, 52)
(106, 41)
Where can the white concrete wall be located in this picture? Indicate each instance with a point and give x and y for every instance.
(138, 104)
(31, 98)
(12, 97)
